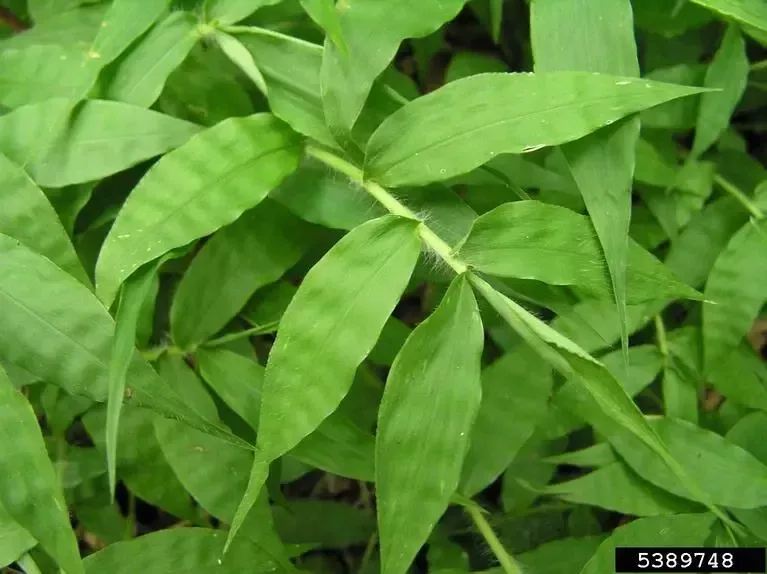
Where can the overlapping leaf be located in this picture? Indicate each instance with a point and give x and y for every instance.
(101, 138)
(255, 250)
(750, 12)
(29, 489)
(14, 540)
(466, 123)
(420, 452)
(533, 240)
(193, 191)
(231, 11)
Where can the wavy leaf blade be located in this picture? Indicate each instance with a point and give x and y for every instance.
(549, 243)
(102, 138)
(255, 250)
(420, 452)
(29, 488)
(727, 73)
(736, 286)
(596, 37)
(27, 215)
(467, 122)
(348, 72)
(193, 191)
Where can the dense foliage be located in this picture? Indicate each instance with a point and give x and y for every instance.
(380, 285)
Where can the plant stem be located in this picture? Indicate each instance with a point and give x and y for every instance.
(734, 191)
(504, 559)
(382, 196)
(660, 334)
(223, 340)
(258, 31)
(28, 564)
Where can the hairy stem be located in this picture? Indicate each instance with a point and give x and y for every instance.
(504, 559)
(382, 196)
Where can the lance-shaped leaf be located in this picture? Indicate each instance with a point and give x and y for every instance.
(596, 36)
(618, 488)
(656, 531)
(56, 328)
(549, 243)
(348, 72)
(515, 394)
(750, 12)
(140, 75)
(610, 402)
(180, 551)
(254, 251)
(29, 487)
(241, 58)
(467, 122)
(205, 184)
(420, 451)
(293, 97)
(329, 327)
(728, 474)
(737, 286)
(728, 73)
(27, 215)
(101, 138)
(132, 298)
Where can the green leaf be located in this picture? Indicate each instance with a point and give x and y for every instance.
(132, 298)
(565, 556)
(326, 14)
(465, 64)
(694, 252)
(36, 505)
(14, 540)
(27, 215)
(57, 329)
(329, 327)
(655, 531)
(728, 474)
(610, 402)
(293, 97)
(140, 75)
(195, 190)
(496, 19)
(241, 58)
(595, 456)
(515, 393)
(102, 138)
(736, 285)
(597, 37)
(618, 488)
(420, 452)
(728, 72)
(255, 250)
(35, 73)
(348, 75)
(534, 240)
(180, 551)
(327, 523)
(231, 11)
(141, 465)
(466, 123)
(528, 474)
(749, 12)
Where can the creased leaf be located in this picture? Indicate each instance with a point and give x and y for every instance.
(420, 452)
(467, 122)
(193, 191)
(29, 488)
